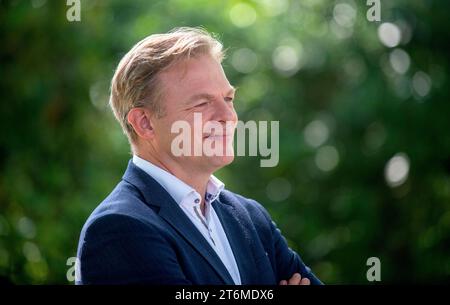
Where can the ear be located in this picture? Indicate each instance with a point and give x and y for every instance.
(141, 120)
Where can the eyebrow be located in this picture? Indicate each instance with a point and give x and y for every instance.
(208, 96)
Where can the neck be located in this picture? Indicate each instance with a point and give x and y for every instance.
(191, 176)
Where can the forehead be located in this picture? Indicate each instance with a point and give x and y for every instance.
(202, 74)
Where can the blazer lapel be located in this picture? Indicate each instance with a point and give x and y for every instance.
(176, 217)
(156, 195)
(239, 238)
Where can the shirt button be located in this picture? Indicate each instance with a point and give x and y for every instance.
(197, 200)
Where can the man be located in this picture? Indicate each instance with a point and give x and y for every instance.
(169, 220)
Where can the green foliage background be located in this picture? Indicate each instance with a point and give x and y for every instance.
(61, 152)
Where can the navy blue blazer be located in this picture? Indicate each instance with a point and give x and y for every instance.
(139, 234)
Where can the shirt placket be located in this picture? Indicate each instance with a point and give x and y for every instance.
(202, 219)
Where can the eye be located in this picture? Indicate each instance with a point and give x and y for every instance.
(228, 99)
(202, 104)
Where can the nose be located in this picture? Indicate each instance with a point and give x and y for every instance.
(224, 111)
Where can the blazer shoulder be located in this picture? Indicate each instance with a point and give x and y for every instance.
(256, 210)
(249, 204)
(123, 206)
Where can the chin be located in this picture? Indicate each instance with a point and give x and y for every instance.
(219, 162)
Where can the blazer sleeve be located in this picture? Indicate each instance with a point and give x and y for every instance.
(286, 260)
(119, 249)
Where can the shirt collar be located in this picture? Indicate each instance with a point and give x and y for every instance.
(213, 188)
(176, 187)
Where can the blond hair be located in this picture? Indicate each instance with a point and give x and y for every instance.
(135, 81)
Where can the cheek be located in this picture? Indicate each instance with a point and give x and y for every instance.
(163, 130)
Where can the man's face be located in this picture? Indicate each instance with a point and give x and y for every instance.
(197, 88)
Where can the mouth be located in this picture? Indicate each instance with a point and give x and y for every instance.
(216, 137)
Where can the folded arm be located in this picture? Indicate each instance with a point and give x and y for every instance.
(290, 267)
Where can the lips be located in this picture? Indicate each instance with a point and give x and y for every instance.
(215, 135)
